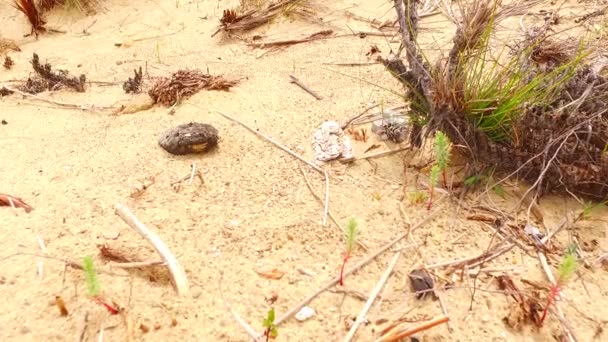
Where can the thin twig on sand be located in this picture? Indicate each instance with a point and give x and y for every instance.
(293, 154)
(246, 326)
(306, 89)
(326, 34)
(61, 104)
(375, 155)
(180, 281)
(138, 264)
(397, 334)
(372, 297)
(361, 263)
(83, 327)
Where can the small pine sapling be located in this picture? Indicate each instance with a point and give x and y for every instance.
(93, 286)
(271, 328)
(565, 271)
(442, 154)
(442, 148)
(351, 238)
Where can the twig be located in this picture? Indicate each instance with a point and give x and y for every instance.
(192, 173)
(396, 334)
(375, 155)
(321, 35)
(248, 328)
(301, 85)
(444, 308)
(349, 121)
(43, 249)
(60, 104)
(180, 281)
(372, 298)
(83, 328)
(293, 154)
(361, 263)
(331, 216)
(138, 264)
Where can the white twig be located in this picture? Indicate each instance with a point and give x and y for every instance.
(175, 269)
(43, 249)
(326, 202)
(60, 104)
(372, 298)
(248, 328)
(192, 173)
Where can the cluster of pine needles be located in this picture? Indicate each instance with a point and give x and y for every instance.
(184, 83)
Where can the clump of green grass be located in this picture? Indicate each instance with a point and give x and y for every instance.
(497, 87)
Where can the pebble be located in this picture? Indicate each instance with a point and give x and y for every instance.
(25, 329)
(305, 313)
(111, 234)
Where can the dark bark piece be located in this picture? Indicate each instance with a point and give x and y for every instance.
(421, 282)
(188, 138)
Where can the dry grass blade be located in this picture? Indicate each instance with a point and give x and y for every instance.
(184, 83)
(258, 15)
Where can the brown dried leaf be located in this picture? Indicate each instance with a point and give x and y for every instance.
(12, 201)
(61, 306)
(270, 273)
(112, 254)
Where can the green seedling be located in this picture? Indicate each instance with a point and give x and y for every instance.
(351, 239)
(417, 197)
(565, 271)
(442, 148)
(93, 285)
(271, 329)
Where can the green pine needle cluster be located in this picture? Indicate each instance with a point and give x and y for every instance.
(442, 150)
(93, 286)
(434, 176)
(568, 266)
(351, 234)
(269, 324)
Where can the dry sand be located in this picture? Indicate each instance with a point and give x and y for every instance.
(254, 210)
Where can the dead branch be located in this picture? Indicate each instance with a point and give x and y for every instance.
(372, 297)
(178, 276)
(305, 88)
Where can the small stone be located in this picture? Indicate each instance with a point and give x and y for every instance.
(305, 313)
(25, 329)
(111, 234)
(188, 138)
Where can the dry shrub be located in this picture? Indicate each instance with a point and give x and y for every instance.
(540, 113)
(47, 79)
(184, 83)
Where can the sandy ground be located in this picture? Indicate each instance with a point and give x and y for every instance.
(254, 210)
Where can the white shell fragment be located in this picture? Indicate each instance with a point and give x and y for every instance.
(329, 142)
(305, 313)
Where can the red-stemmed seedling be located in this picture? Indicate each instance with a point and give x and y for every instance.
(565, 271)
(350, 240)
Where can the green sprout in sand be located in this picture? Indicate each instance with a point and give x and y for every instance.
(442, 149)
(351, 238)
(271, 328)
(93, 285)
(564, 273)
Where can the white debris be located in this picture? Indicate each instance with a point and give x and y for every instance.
(305, 313)
(329, 142)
